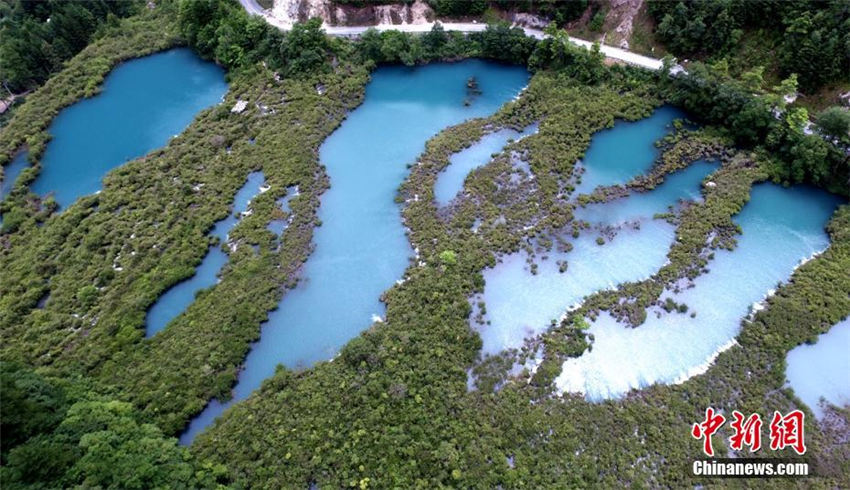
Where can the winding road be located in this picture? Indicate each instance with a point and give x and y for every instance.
(624, 55)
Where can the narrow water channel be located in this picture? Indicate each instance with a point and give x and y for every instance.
(11, 173)
(450, 180)
(181, 295)
(278, 226)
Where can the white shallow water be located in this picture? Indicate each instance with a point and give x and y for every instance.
(822, 370)
(520, 304)
(780, 226)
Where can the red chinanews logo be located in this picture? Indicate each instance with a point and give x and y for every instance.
(785, 431)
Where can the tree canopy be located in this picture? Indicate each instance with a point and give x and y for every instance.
(36, 36)
(810, 37)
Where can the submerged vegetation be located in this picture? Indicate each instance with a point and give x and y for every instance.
(88, 401)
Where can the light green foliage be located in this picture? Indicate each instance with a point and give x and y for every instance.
(448, 257)
(754, 79)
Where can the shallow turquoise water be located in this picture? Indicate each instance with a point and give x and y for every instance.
(450, 180)
(520, 304)
(361, 248)
(144, 102)
(11, 173)
(177, 298)
(822, 370)
(674, 347)
(627, 150)
(278, 226)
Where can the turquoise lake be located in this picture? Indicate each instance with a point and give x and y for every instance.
(177, 298)
(822, 370)
(143, 104)
(361, 247)
(626, 150)
(668, 347)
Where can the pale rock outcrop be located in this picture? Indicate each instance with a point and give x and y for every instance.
(622, 14)
(287, 12)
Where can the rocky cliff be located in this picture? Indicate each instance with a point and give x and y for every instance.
(290, 11)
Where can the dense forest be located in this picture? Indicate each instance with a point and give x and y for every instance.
(87, 401)
(818, 158)
(808, 38)
(37, 37)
